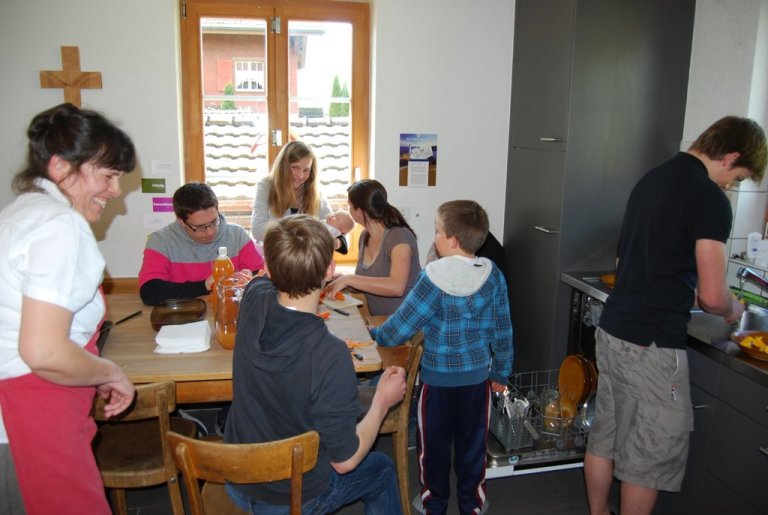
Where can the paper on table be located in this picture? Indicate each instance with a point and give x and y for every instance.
(348, 302)
(183, 338)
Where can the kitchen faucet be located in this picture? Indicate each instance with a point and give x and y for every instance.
(746, 274)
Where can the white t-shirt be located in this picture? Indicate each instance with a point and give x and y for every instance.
(48, 253)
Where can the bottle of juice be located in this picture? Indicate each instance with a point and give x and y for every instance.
(222, 267)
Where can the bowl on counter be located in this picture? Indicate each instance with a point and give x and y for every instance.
(743, 338)
(177, 311)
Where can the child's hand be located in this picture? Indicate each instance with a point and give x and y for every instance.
(391, 387)
(243, 277)
(497, 387)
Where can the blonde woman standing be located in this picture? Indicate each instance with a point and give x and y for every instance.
(290, 188)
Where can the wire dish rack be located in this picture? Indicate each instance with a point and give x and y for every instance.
(535, 419)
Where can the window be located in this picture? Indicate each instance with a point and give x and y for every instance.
(249, 76)
(258, 75)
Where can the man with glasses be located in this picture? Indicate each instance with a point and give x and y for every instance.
(178, 257)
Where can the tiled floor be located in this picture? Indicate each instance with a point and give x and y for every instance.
(550, 493)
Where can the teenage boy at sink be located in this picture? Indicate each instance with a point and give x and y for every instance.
(671, 252)
(460, 302)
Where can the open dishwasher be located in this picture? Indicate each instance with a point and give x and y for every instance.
(533, 430)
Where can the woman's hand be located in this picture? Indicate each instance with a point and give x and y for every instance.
(118, 393)
(338, 283)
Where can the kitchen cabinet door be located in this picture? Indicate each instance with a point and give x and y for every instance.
(531, 228)
(718, 499)
(541, 77)
(686, 501)
(738, 455)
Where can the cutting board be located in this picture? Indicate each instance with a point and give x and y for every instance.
(348, 302)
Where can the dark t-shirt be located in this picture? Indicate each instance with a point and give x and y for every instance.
(290, 375)
(670, 208)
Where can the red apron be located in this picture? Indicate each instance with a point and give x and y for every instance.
(50, 431)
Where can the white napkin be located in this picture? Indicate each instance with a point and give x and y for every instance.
(183, 338)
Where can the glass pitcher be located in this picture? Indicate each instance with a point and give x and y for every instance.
(230, 291)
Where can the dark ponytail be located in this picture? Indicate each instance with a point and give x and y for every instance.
(370, 196)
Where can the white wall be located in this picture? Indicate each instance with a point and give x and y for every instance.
(440, 66)
(729, 75)
(446, 68)
(134, 45)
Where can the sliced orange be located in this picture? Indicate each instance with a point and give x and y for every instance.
(353, 344)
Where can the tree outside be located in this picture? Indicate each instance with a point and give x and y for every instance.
(339, 108)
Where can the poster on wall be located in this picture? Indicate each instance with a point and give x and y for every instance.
(153, 185)
(418, 160)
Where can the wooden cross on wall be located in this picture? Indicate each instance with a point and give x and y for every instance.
(70, 77)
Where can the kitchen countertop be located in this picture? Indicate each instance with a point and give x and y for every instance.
(589, 283)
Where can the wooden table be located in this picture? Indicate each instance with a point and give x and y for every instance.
(201, 376)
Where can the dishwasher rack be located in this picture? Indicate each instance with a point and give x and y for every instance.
(535, 440)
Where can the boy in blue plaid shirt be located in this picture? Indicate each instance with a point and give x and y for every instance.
(460, 302)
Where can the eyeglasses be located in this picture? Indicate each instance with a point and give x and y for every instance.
(203, 228)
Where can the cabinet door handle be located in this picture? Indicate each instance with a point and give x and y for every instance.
(700, 406)
(764, 450)
(546, 229)
(551, 140)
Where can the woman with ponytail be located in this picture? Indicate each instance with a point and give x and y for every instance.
(388, 261)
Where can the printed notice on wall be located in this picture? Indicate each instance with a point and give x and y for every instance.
(161, 167)
(157, 221)
(418, 160)
(153, 185)
(162, 204)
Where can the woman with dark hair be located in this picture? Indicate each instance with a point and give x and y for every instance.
(388, 261)
(289, 189)
(50, 311)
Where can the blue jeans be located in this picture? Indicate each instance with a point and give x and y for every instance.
(374, 481)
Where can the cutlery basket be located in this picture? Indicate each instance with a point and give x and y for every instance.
(536, 426)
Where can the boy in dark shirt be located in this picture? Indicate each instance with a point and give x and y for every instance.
(291, 375)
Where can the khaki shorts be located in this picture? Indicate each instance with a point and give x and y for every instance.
(643, 412)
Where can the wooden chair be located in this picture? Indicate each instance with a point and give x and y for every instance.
(396, 421)
(131, 450)
(219, 463)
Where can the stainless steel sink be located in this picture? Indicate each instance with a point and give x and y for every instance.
(713, 329)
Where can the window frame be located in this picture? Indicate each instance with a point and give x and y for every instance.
(355, 13)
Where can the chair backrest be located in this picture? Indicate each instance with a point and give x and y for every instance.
(414, 359)
(244, 463)
(397, 418)
(152, 401)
